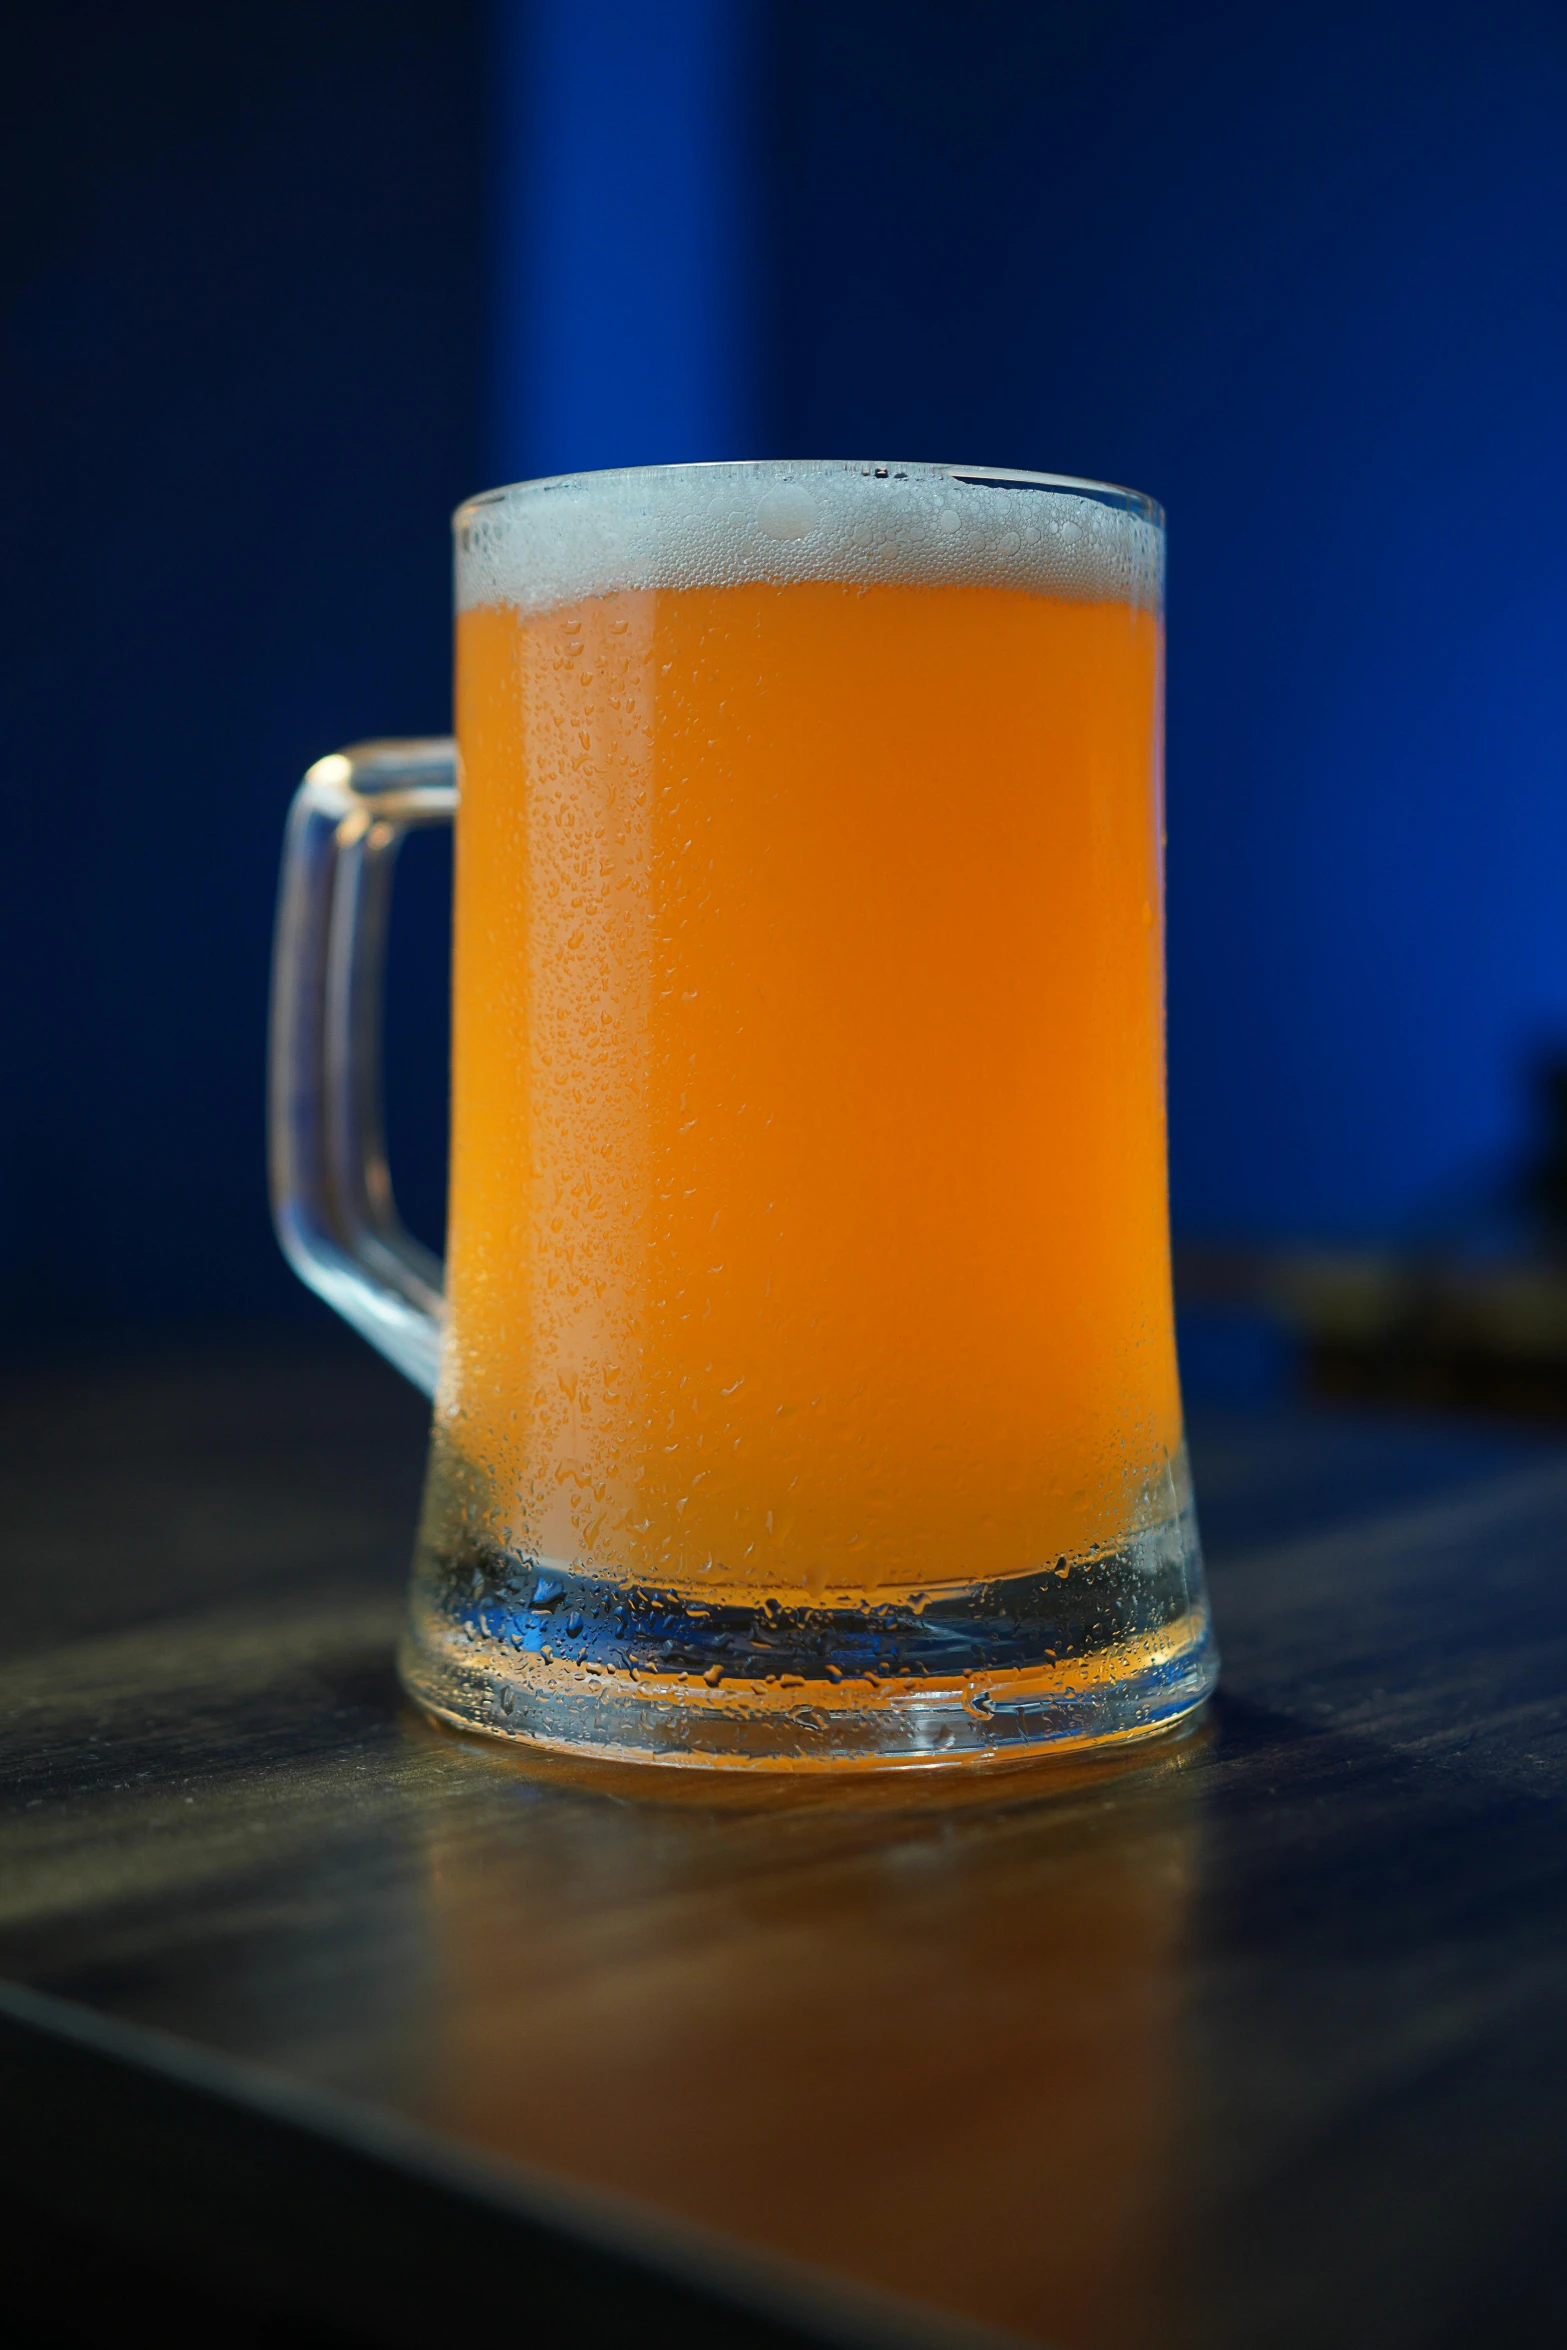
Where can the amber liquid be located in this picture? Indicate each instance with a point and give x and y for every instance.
(808, 1225)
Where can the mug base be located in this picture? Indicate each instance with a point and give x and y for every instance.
(827, 1726)
(1093, 1651)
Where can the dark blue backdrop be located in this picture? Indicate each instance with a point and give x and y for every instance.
(240, 359)
(1300, 272)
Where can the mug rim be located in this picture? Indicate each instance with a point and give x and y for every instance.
(1117, 495)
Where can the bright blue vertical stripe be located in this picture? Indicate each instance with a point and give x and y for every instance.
(623, 216)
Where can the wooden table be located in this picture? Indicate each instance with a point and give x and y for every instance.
(316, 2018)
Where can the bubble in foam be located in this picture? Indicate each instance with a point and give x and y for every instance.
(788, 513)
(546, 543)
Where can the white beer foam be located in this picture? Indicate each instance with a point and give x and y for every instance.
(545, 543)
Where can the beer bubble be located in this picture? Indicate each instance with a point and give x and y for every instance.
(788, 513)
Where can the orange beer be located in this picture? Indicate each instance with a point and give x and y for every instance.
(808, 1250)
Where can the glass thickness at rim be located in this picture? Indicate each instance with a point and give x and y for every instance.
(1116, 495)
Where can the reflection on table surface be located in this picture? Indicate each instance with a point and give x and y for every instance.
(923, 2032)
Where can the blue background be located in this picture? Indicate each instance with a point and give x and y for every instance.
(280, 285)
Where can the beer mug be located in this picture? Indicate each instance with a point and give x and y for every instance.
(803, 1359)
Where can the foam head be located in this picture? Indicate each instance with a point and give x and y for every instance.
(545, 543)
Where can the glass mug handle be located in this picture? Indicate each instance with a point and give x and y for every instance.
(332, 1198)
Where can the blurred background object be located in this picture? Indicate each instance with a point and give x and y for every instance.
(1467, 1311)
(283, 283)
